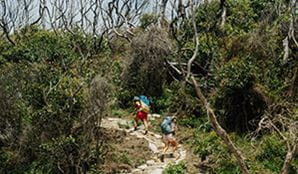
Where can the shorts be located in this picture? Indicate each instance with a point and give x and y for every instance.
(141, 115)
(169, 138)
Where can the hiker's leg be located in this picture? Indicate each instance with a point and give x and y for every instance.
(167, 143)
(175, 145)
(135, 122)
(162, 156)
(144, 116)
(166, 148)
(145, 121)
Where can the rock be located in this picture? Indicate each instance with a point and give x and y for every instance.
(139, 136)
(155, 115)
(151, 118)
(150, 162)
(156, 171)
(153, 147)
(133, 133)
(183, 154)
(141, 127)
(157, 136)
(143, 167)
(112, 119)
(131, 129)
(136, 171)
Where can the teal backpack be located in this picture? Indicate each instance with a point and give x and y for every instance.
(166, 125)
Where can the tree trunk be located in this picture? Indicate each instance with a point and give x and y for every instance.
(289, 157)
(223, 13)
(219, 130)
(162, 13)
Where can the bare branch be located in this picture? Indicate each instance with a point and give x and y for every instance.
(219, 130)
(190, 61)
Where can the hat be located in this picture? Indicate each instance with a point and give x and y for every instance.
(136, 98)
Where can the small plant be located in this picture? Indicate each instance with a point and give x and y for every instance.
(207, 144)
(140, 162)
(273, 153)
(125, 159)
(119, 113)
(176, 169)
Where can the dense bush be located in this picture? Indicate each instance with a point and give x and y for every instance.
(146, 73)
(45, 105)
(240, 103)
(273, 153)
(55, 87)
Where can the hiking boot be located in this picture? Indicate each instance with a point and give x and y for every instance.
(172, 155)
(145, 132)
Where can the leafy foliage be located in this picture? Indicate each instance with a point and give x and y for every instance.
(145, 75)
(55, 87)
(273, 153)
(176, 169)
(44, 86)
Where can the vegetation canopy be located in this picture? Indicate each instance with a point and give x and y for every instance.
(228, 69)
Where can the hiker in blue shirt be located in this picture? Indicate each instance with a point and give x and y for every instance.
(169, 128)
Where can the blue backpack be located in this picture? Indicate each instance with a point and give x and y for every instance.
(145, 100)
(145, 103)
(166, 125)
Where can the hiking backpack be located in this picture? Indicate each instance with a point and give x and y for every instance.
(166, 125)
(145, 103)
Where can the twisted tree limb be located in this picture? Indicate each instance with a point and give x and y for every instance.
(219, 130)
(289, 157)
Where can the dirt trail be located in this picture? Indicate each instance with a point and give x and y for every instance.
(155, 144)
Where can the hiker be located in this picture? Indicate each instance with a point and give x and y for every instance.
(169, 128)
(142, 107)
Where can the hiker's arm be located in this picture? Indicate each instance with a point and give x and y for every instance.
(138, 106)
(174, 128)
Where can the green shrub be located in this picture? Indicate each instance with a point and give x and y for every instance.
(228, 167)
(189, 122)
(206, 144)
(42, 46)
(240, 17)
(176, 169)
(148, 19)
(236, 74)
(51, 83)
(239, 101)
(178, 97)
(273, 153)
(146, 73)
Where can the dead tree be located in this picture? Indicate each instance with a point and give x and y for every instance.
(41, 13)
(190, 61)
(291, 30)
(211, 115)
(223, 7)
(120, 17)
(219, 130)
(7, 20)
(162, 11)
(281, 119)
